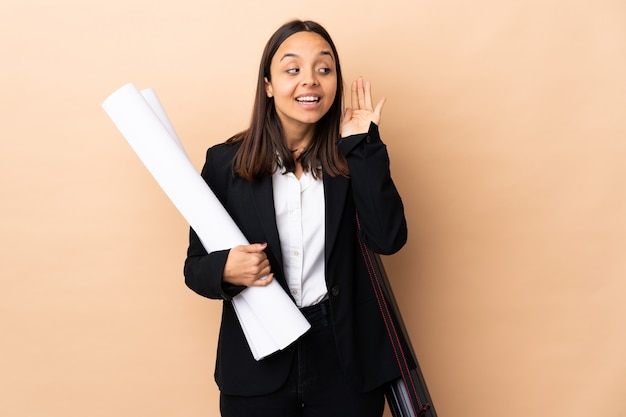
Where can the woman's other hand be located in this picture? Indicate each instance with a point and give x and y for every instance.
(357, 118)
(247, 265)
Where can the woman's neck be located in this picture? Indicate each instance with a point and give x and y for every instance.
(297, 139)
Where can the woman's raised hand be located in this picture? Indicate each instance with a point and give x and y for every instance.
(357, 118)
(247, 265)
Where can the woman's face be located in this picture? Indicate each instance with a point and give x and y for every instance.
(303, 80)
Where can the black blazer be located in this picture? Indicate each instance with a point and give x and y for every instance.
(362, 342)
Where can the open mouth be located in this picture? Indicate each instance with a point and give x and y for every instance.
(308, 99)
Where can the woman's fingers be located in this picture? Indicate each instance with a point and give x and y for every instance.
(361, 91)
(361, 94)
(367, 94)
(248, 265)
(354, 103)
(263, 281)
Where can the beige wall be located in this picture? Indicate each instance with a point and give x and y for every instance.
(506, 127)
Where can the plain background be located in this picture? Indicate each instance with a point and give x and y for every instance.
(505, 123)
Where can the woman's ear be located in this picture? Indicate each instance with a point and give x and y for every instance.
(268, 88)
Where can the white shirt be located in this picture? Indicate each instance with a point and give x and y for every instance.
(300, 219)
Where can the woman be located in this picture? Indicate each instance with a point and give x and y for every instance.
(294, 182)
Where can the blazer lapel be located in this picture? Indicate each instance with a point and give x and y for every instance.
(335, 193)
(264, 199)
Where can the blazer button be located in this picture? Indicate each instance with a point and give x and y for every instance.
(335, 291)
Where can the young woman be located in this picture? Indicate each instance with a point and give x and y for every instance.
(303, 182)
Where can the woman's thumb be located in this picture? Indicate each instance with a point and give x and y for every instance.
(259, 247)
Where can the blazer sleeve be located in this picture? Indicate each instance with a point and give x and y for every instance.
(379, 205)
(203, 271)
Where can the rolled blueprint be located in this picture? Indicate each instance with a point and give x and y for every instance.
(268, 317)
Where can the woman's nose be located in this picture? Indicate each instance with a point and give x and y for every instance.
(310, 78)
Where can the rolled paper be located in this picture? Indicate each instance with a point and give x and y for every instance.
(155, 104)
(269, 318)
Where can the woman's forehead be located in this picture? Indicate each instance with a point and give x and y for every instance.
(303, 44)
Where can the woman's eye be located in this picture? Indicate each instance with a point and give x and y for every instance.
(325, 70)
(293, 70)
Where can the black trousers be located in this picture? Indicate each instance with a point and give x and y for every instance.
(316, 386)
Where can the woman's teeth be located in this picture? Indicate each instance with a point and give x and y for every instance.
(308, 99)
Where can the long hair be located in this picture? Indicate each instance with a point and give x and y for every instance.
(263, 148)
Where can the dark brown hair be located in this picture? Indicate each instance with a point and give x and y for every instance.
(263, 148)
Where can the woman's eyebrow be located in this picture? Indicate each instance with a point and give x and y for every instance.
(323, 53)
(294, 55)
